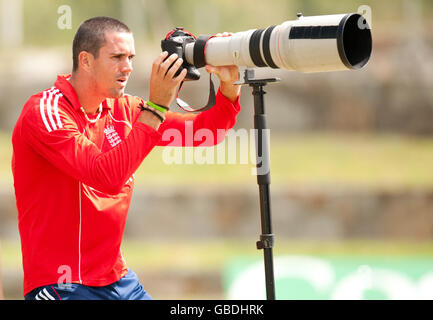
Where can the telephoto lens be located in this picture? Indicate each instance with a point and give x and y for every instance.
(307, 44)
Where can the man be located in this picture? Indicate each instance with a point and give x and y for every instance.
(76, 147)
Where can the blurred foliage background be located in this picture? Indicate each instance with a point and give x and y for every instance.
(351, 152)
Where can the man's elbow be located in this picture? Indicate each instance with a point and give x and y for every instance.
(109, 188)
(108, 183)
(114, 189)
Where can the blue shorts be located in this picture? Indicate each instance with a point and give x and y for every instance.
(127, 288)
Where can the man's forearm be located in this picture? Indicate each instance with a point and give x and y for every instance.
(230, 91)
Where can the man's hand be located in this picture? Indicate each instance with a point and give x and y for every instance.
(227, 75)
(163, 84)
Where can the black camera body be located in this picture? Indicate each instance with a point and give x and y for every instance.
(175, 42)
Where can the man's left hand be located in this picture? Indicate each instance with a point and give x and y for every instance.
(227, 75)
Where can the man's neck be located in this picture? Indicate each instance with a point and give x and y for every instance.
(85, 92)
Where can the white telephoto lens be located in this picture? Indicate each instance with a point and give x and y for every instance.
(308, 44)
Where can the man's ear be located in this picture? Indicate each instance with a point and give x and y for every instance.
(86, 60)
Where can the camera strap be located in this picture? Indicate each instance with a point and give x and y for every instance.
(210, 103)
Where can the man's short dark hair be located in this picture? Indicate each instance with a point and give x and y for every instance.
(90, 36)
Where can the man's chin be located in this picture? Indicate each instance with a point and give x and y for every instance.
(115, 94)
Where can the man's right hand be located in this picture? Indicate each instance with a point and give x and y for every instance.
(163, 84)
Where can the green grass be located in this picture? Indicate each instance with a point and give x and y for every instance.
(371, 161)
(212, 255)
(361, 160)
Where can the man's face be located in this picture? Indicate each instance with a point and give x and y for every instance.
(113, 66)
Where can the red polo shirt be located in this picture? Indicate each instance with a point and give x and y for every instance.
(73, 179)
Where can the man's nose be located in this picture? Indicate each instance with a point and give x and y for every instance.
(127, 66)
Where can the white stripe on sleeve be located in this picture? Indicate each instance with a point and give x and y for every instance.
(49, 112)
(42, 107)
(56, 109)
